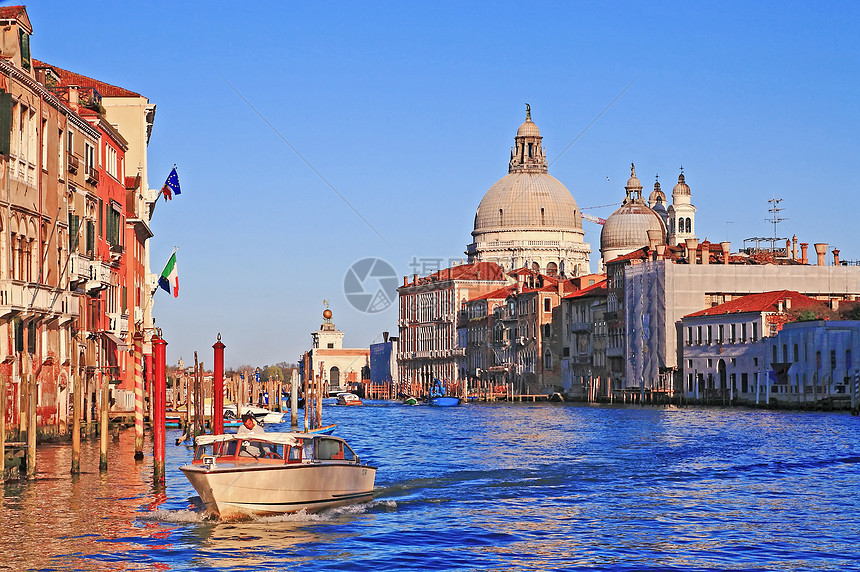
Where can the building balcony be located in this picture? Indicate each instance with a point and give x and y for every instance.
(615, 352)
(93, 275)
(118, 324)
(92, 175)
(17, 296)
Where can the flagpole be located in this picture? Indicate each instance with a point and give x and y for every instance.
(154, 290)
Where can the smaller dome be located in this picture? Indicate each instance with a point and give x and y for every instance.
(528, 129)
(627, 228)
(681, 188)
(657, 196)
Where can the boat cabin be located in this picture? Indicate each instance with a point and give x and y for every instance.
(271, 448)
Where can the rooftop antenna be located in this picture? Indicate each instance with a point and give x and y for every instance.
(775, 219)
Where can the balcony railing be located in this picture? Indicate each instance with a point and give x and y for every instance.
(73, 163)
(92, 175)
(17, 296)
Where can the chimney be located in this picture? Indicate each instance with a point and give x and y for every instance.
(519, 283)
(803, 247)
(654, 238)
(788, 303)
(835, 257)
(706, 253)
(779, 306)
(692, 246)
(415, 279)
(788, 248)
(385, 337)
(406, 281)
(560, 288)
(821, 251)
(834, 304)
(661, 251)
(794, 247)
(726, 246)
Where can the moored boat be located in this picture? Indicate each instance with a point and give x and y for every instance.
(277, 473)
(440, 398)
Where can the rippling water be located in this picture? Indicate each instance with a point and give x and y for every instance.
(484, 487)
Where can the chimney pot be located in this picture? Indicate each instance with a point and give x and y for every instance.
(803, 257)
(726, 246)
(794, 247)
(835, 257)
(821, 251)
(692, 245)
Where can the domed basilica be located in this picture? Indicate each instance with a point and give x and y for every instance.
(528, 217)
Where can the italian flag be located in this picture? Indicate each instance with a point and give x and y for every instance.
(170, 277)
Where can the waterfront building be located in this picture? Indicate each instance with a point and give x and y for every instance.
(339, 369)
(723, 346)
(666, 283)
(125, 118)
(427, 320)
(528, 218)
(484, 338)
(383, 382)
(37, 310)
(814, 362)
(584, 330)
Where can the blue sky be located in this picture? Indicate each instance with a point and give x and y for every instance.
(409, 111)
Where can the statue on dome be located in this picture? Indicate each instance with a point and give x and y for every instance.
(528, 112)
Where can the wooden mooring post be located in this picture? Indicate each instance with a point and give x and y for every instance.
(77, 405)
(3, 382)
(31, 426)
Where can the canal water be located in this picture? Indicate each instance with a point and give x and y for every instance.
(484, 487)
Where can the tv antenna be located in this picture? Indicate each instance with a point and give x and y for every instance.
(775, 219)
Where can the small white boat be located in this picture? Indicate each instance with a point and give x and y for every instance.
(277, 473)
(348, 399)
(262, 415)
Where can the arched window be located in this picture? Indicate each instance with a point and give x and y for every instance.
(535, 266)
(501, 218)
(552, 269)
(680, 225)
(547, 360)
(689, 225)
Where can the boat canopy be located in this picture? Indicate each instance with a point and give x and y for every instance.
(281, 438)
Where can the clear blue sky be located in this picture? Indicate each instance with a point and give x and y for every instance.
(409, 110)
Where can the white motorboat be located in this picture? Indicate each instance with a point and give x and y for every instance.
(348, 399)
(261, 414)
(277, 473)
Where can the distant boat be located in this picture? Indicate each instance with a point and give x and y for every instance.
(327, 430)
(409, 400)
(439, 397)
(348, 399)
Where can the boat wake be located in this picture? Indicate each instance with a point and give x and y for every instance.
(200, 517)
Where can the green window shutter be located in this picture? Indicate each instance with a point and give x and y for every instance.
(18, 327)
(5, 122)
(25, 49)
(124, 299)
(91, 237)
(101, 224)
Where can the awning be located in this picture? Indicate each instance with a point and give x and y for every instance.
(120, 344)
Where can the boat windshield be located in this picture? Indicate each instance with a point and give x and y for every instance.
(261, 449)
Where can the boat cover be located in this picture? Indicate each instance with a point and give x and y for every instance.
(281, 438)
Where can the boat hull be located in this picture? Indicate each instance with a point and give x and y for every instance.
(233, 490)
(444, 401)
